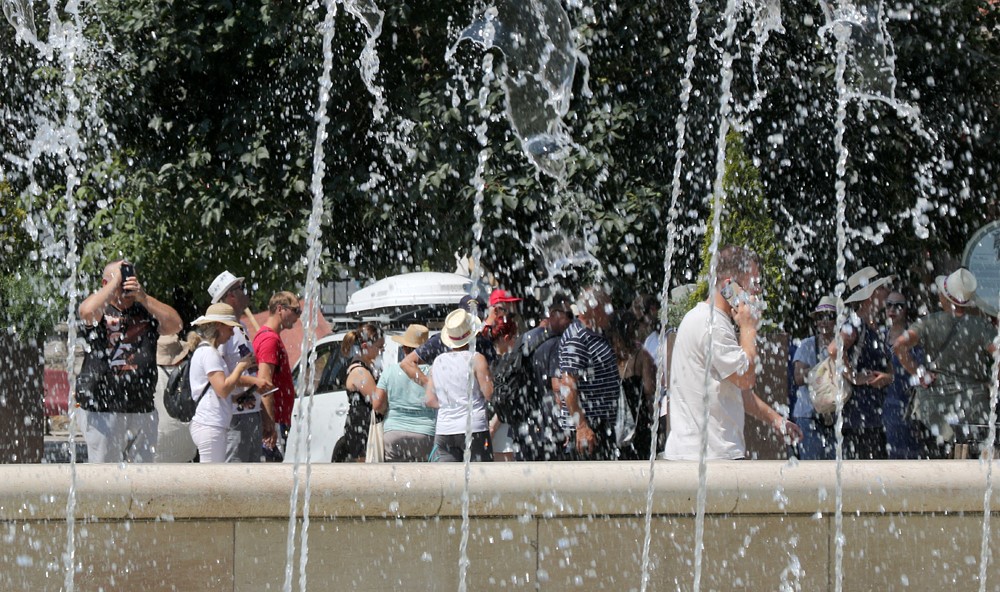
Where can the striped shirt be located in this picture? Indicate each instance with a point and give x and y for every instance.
(588, 356)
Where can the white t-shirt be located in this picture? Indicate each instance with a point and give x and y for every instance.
(688, 386)
(212, 410)
(230, 351)
(450, 373)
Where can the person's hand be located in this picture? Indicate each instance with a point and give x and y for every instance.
(788, 430)
(746, 316)
(132, 287)
(250, 359)
(270, 435)
(263, 385)
(879, 379)
(586, 440)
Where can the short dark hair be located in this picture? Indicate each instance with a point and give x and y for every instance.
(734, 262)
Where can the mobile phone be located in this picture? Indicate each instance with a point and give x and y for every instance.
(734, 293)
(128, 270)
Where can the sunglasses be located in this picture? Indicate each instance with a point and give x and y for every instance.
(896, 305)
(826, 317)
(296, 309)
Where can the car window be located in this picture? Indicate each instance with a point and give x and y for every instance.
(329, 368)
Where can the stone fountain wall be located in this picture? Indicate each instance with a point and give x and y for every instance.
(912, 525)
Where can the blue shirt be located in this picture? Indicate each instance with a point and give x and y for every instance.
(407, 411)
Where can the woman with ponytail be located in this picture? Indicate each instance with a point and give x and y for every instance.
(363, 346)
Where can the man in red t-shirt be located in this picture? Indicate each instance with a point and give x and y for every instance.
(272, 362)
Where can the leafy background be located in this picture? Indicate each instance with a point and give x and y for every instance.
(196, 122)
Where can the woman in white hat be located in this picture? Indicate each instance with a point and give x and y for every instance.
(409, 423)
(448, 390)
(212, 382)
(868, 363)
(817, 437)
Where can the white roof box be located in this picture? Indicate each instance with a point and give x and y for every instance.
(422, 288)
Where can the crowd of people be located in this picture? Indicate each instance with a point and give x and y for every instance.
(587, 382)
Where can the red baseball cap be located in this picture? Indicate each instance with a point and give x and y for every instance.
(498, 296)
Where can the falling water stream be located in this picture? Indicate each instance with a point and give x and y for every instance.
(989, 458)
(722, 42)
(842, 33)
(314, 248)
(675, 191)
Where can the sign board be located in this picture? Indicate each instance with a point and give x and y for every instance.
(982, 257)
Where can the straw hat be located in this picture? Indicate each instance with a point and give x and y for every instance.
(218, 313)
(170, 350)
(415, 336)
(459, 329)
(959, 287)
(827, 303)
(864, 283)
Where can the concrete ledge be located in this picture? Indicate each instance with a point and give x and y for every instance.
(40, 492)
(540, 526)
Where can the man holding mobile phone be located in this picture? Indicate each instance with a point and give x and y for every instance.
(116, 385)
(713, 366)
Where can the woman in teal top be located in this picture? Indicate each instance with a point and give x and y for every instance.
(409, 423)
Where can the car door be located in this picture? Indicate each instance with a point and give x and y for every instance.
(324, 413)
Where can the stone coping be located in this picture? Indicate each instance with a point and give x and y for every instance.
(532, 490)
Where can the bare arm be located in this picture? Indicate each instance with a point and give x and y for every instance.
(431, 400)
(265, 372)
(411, 367)
(168, 319)
(361, 380)
(648, 369)
(483, 376)
(756, 407)
(801, 371)
(570, 396)
(380, 401)
(748, 343)
(223, 385)
(903, 347)
(92, 308)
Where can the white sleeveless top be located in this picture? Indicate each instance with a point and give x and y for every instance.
(451, 373)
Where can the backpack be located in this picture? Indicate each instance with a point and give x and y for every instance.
(513, 384)
(177, 398)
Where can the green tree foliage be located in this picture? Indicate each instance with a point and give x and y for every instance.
(745, 222)
(201, 157)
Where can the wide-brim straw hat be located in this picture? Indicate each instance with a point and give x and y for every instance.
(959, 287)
(219, 312)
(414, 336)
(864, 283)
(460, 328)
(827, 303)
(170, 350)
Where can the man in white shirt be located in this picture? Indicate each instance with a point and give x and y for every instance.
(731, 361)
(249, 425)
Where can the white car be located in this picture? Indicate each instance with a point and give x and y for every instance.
(394, 302)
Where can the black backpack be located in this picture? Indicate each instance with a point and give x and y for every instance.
(177, 398)
(514, 389)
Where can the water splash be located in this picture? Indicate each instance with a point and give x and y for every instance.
(537, 74)
(988, 458)
(313, 251)
(842, 33)
(723, 42)
(679, 153)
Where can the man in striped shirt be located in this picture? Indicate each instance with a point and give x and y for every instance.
(589, 381)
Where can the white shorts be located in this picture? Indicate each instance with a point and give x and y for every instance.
(120, 437)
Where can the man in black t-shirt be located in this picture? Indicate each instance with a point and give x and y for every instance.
(116, 385)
